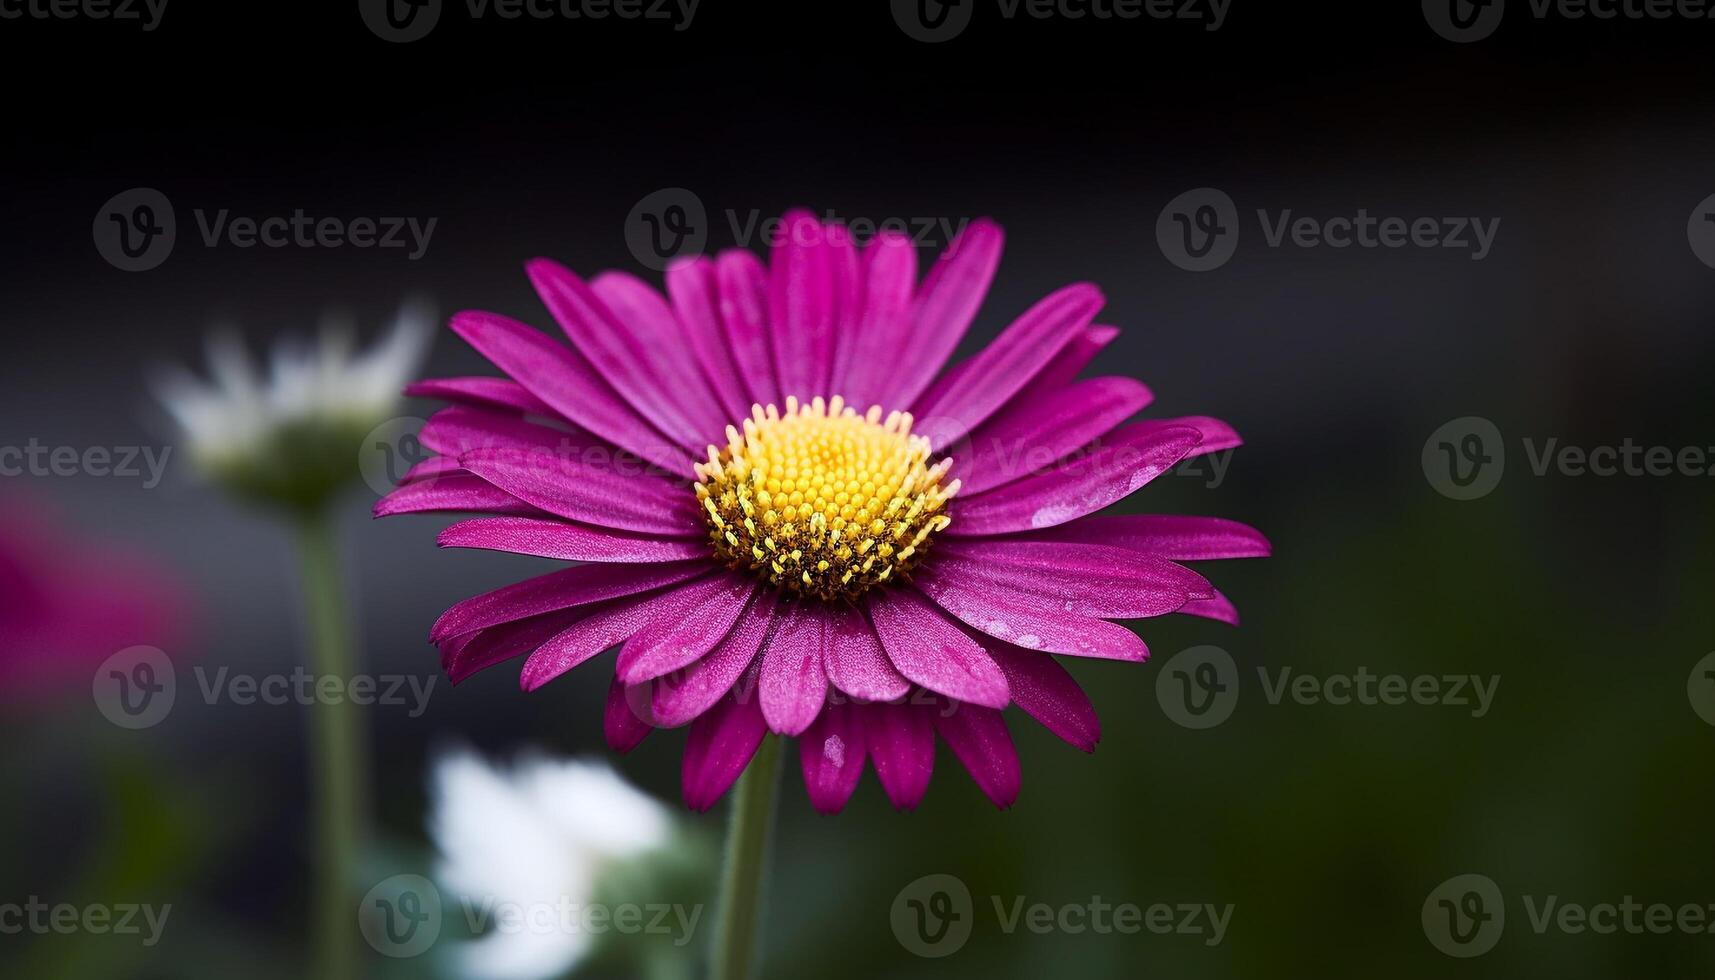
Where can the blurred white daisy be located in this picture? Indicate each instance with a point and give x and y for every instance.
(537, 837)
(291, 437)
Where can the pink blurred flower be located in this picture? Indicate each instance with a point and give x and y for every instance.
(68, 603)
(866, 578)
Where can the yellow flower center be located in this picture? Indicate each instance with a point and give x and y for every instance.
(823, 501)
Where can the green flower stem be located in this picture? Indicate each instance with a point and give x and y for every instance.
(337, 756)
(745, 872)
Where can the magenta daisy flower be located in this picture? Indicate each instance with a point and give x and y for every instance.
(790, 515)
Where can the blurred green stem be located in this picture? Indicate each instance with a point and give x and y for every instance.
(337, 753)
(744, 876)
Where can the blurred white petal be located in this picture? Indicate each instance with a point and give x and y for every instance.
(534, 838)
(326, 380)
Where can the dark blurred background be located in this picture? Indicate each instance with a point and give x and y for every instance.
(1325, 827)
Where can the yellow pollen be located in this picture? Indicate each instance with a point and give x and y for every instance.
(822, 501)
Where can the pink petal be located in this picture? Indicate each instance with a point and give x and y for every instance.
(461, 428)
(1217, 435)
(434, 468)
(676, 372)
(794, 683)
(845, 269)
(856, 662)
(1035, 624)
(681, 696)
(801, 306)
(452, 491)
(744, 315)
(978, 737)
(831, 755)
(1169, 536)
(1089, 579)
(501, 393)
(1055, 373)
(1082, 487)
(620, 724)
(603, 625)
(1218, 608)
(562, 378)
(719, 746)
(623, 359)
(692, 624)
(563, 589)
(1005, 366)
(567, 542)
(1046, 692)
(943, 310)
(590, 494)
(889, 276)
(468, 653)
(1018, 442)
(1065, 366)
(931, 651)
(695, 296)
(901, 743)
